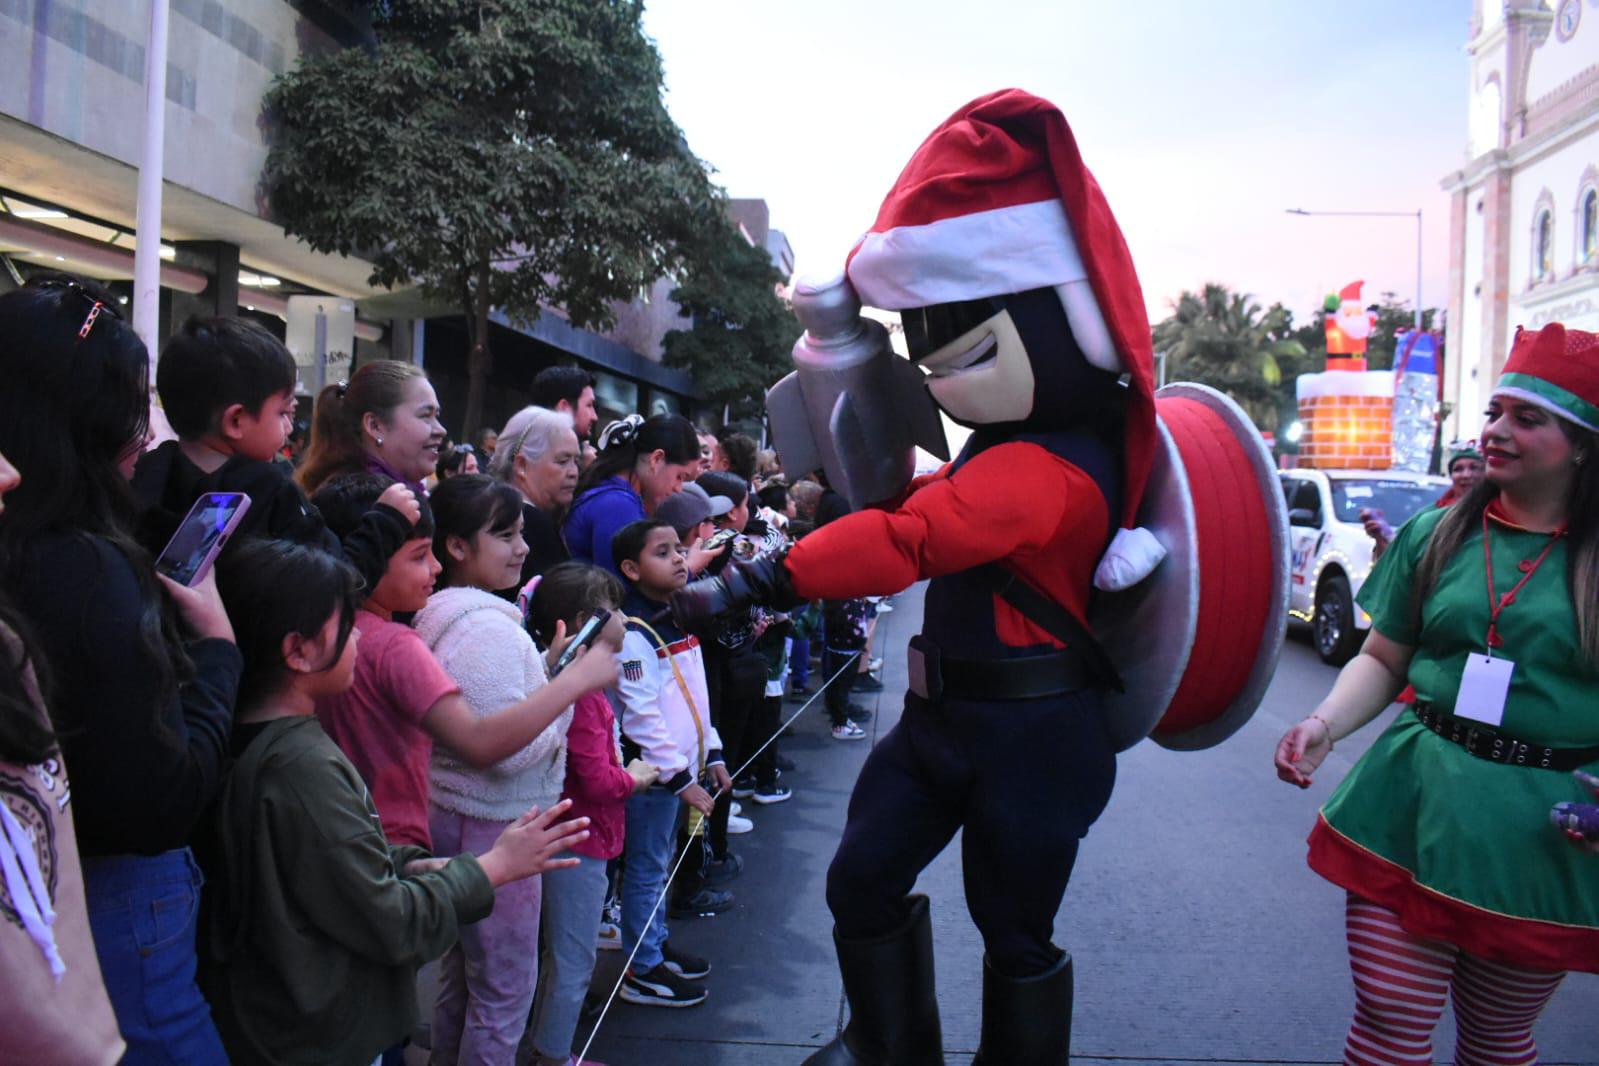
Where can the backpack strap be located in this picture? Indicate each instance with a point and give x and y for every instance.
(1055, 620)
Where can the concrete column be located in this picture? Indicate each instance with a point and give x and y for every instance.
(220, 299)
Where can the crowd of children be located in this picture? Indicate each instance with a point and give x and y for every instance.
(353, 748)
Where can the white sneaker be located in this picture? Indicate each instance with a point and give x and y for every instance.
(847, 731)
(737, 825)
(609, 937)
(885, 608)
(737, 808)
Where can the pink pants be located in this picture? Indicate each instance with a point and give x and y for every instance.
(1402, 981)
(486, 980)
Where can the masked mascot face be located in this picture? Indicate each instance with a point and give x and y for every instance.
(1015, 361)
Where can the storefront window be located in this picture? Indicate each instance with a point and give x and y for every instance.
(614, 397)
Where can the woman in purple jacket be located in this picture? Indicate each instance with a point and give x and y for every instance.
(642, 462)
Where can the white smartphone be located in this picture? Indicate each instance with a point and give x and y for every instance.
(205, 529)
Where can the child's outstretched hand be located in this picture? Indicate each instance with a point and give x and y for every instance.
(402, 499)
(593, 669)
(529, 845)
(644, 774)
(696, 797)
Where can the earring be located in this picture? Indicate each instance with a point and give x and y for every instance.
(379, 441)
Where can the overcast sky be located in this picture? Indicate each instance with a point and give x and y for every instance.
(1202, 121)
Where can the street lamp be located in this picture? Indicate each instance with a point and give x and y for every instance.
(1416, 214)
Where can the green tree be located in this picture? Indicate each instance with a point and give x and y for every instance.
(502, 154)
(741, 331)
(1223, 339)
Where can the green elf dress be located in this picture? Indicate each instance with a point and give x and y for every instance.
(1461, 848)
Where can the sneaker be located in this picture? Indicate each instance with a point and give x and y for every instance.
(848, 731)
(857, 713)
(702, 904)
(874, 665)
(720, 871)
(609, 937)
(772, 794)
(659, 987)
(737, 825)
(885, 608)
(867, 683)
(688, 967)
(736, 808)
(744, 788)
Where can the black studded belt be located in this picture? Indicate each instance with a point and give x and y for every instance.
(1486, 742)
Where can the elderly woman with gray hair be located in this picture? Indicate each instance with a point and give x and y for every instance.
(538, 456)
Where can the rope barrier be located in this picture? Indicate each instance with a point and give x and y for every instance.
(610, 999)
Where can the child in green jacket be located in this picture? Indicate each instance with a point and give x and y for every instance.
(315, 926)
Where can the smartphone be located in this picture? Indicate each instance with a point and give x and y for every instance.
(715, 541)
(188, 556)
(585, 638)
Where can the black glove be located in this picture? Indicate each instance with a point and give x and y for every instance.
(762, 582)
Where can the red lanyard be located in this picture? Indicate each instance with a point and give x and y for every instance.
(1497, 604)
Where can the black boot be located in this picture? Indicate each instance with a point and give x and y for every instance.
(893, 1011)
(1027, 1021)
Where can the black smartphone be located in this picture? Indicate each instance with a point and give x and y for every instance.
(586, 637)
(201, 536)
(715, 541)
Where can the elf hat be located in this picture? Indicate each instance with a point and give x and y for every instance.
(1557, 369)
(1463, 450)
(997, 201)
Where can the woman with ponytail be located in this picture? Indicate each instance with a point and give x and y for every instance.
(384, 420)
(642, 461)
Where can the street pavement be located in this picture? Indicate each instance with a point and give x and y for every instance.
(1199, 934)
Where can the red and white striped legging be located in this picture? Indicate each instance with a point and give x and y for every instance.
(1402, 981)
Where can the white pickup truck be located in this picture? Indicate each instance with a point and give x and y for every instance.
(1330, 553)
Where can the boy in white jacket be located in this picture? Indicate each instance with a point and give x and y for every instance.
(665, 720)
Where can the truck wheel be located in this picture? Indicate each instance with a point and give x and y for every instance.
(1336, 637)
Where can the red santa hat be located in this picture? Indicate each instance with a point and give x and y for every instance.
(996, 201)
(1351, 291)
(1557, 369)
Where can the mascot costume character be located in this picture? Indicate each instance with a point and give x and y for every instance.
(1024, 321)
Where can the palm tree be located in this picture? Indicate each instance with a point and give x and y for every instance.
(1222, 339)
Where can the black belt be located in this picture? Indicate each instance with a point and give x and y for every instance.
(936, 676)
(1486, 742)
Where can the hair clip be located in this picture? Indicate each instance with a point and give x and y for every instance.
(342, 388)
(620, 434)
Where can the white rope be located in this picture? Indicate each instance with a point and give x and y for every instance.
(610, 999)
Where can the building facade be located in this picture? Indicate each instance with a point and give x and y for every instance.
(72, 103)
(1524, 218)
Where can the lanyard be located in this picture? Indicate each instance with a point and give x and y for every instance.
(1497, 604)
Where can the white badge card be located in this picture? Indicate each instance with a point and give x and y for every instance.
(1483, 688)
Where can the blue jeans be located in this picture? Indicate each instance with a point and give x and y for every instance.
(142, 912)
(799, 662)
(651, 834)
(573, 899)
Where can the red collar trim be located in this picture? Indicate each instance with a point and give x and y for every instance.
(1497, 513)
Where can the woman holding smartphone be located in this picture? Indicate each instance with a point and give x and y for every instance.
(145, 671)
(1459, 887)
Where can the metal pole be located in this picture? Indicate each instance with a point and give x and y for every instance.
(1418, 270)
(147, 254)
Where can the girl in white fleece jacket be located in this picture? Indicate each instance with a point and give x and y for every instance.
(487, 980)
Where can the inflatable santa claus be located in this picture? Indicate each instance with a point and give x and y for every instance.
(1085, 512)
